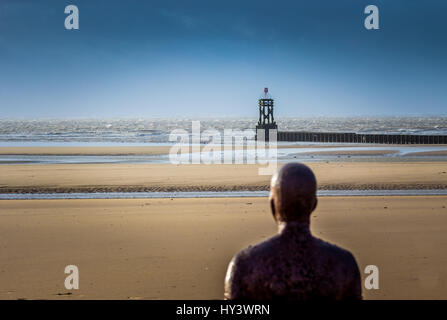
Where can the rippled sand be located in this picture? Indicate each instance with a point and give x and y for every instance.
(166, 177)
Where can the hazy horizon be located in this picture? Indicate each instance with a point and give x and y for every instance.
(220, 117)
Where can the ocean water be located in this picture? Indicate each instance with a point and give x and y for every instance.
(135, 132)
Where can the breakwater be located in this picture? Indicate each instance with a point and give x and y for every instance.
(349, 137)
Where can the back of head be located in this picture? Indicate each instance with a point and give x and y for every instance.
(293, 193)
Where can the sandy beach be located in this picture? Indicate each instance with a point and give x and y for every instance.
(180, 248)
(167, 177)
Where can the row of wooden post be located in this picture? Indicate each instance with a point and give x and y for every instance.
(360, 138)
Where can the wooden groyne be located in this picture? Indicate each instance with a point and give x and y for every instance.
(360, 137)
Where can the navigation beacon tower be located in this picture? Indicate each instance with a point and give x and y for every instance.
(266, 121)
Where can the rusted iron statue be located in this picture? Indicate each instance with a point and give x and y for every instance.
(293, 265)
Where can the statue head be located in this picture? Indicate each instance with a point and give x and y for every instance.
(293, 193)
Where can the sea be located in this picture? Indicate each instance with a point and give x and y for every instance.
(147, 131)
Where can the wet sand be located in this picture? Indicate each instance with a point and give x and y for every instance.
(166, 177)
(376, 152)
(429, 153)
(179, 249)
(122, 150)
(163, 150)
(151, 150)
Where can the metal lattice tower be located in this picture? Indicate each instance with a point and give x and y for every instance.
(266, 120)
(265, 111)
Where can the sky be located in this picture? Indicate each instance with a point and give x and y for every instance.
(177, 58)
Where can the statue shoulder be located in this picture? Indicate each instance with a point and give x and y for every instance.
(240, 273)
(344, 267)
(337, 257)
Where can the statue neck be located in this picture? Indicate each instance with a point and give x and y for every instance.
(294, 228)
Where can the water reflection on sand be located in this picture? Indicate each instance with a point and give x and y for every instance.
(308, 153)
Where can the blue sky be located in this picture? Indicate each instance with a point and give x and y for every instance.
(213, 58)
